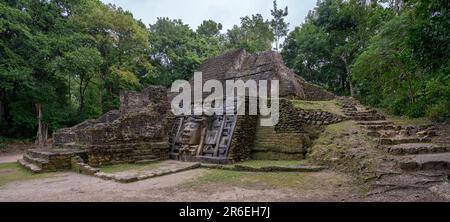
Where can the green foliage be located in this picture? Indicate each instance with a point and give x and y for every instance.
(279, 26)
(73, 57)
(173, 50)
(397, 71)
(209, 28)
(176, 51)
(392, 57)
(335, 32)
(254, 34)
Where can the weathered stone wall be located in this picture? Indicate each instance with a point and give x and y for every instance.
(131, 101)
(314, 92)
(138, 131)
(285, 141)
(143, 117)
(294, 119)
(289, 120)
(291, 137)
(273, 145)
(100, 155)
(243, 138)
(240, 65)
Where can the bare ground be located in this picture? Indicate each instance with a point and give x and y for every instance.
(186, 186)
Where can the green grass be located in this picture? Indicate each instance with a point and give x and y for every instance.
(267, 163)
(296, 181)
(328, 106)
(13, 172)
(127, 167)
(347, 147)
(221, 176)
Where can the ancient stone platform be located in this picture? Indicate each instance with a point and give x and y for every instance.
(49, 160)
(156, 170)
(144, 129)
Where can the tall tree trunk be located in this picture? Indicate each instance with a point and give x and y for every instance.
(42, 133)
(81, 97)
(411, 93)
(2, 107)
(100, 93)
(277, 44)
(349, 76)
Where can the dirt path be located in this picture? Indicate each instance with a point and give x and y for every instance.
(76, 187)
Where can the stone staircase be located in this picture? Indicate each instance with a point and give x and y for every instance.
(415, 161)
(48, 160)
(412, 144)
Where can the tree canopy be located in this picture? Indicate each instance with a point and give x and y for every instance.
(73, 58)
(389, 54)
(69, 60)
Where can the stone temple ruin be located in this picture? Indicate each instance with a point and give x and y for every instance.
(144, 130)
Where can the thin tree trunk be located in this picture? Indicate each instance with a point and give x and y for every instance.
(349, 76)
(411, 93)
(42, 133)
(2, 107)
(100, 94)
(81, 97)
(277, 42)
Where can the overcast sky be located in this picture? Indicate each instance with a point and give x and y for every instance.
(227, 12)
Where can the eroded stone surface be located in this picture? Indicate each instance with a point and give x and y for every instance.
(161, 169)
(442, 190)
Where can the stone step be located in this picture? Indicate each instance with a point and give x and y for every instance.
(381, 127)
(440, 161)
(368, 118)
(371, 123)
(29, 166)
(361, 113)
(38, 154)
(386, 134)
(36, 161)
(416, 148)
(398, 141)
